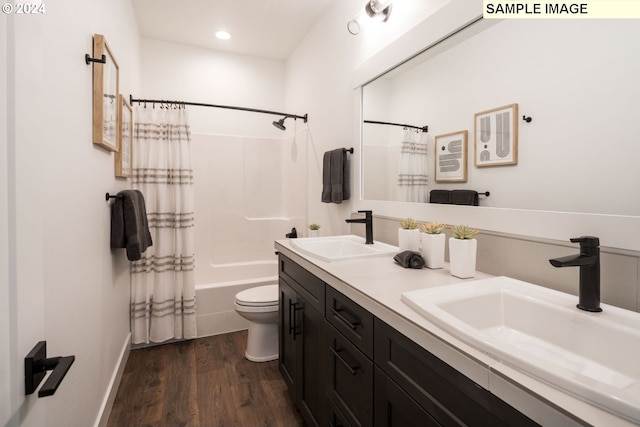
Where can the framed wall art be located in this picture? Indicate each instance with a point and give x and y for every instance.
(124, 155)
(105, 96)
(451, 157)
(496, 136)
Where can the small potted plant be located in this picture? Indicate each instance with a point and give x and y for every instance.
(408, 235)
(314, 230)
(432, 243)
(462, 251)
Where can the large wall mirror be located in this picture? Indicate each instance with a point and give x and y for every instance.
(579, 82)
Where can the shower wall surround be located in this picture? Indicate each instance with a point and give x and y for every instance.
(249, 191)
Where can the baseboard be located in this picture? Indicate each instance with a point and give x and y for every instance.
(110, 395)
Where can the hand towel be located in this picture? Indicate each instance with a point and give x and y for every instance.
(464, 197)
(326, 177)
(129, 225)
(440, 196)
(409, 259)
(335, 176)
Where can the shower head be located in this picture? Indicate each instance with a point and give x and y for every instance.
(280, 123)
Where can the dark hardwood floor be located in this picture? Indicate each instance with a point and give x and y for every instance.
(205, 382)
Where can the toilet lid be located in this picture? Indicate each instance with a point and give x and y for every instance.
(259, 296)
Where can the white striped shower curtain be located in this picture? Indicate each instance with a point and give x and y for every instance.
(163, 284)
(412, 172)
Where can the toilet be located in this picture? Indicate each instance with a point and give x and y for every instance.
(259, 306)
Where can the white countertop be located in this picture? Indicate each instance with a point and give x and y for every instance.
(377, 283)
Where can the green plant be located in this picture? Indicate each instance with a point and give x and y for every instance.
(408, 224)
(463, 232)
(432, 227)
(314, 226)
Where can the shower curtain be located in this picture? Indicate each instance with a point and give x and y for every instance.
(412, 172)
(163, 285)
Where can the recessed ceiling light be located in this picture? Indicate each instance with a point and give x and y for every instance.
(223, 35)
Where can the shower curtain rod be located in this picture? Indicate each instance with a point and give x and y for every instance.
(228, 107)
(420, 128)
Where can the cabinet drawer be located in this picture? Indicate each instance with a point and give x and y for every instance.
(395, 408)
(309, 286)
(449, 396)
(349, 378)
(353, 321)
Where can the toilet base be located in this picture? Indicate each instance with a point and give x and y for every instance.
(262, 342)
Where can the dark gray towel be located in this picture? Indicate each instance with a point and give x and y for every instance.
(129, 226)
(335, 176)
(326, 177)
(440, 196)
(464, 197)
(409, 259)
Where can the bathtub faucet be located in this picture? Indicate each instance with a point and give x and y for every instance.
(589, 262)
(368, 221)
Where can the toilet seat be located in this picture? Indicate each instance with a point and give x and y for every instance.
(261, 296)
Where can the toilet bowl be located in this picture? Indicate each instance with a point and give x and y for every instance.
(259, 306)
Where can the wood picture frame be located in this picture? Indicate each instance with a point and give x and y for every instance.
(496, 136)
(124, 155)
(105, 95)
(451, 153)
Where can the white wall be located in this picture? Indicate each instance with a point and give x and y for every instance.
(319, 80)
(63, 221)
(185, 73)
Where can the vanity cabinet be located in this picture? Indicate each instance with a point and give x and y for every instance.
(301, 326)
(345, 367)
(348, 350)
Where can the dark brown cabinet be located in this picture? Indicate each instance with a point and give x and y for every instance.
(301, 326)
(345, 367)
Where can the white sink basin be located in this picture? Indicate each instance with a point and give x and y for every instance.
(340, 248)
(595, 356)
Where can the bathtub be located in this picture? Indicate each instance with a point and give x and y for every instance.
(216, 287)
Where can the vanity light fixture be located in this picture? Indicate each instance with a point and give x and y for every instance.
(379, 10)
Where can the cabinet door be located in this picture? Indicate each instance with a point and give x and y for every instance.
(286, 330)
(449, 396)
(308, 335)
(394, 407)
(349, 378)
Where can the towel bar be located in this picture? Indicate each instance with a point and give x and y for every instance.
(348, 150)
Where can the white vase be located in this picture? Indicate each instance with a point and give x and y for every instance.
(462, 257)
(314, 233)
(432, 249)
(409, 240)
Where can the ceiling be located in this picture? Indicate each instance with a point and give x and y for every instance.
(265, 28)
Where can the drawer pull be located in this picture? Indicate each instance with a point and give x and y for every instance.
(293, 307)
(336, 353)
(341, 318)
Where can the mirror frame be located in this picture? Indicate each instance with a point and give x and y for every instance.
(613, 230)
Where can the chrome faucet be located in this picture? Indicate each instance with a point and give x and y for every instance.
(368, 221)
(589, 262)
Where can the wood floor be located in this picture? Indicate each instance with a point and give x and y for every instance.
(205, 382)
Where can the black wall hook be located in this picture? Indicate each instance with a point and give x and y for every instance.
(88, 59)
(527, 119)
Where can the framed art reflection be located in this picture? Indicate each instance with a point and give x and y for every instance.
(451, 157)
(496, 136)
